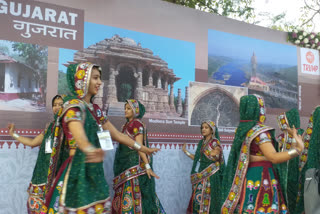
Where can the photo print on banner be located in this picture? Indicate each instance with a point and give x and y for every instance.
(208, 100)
(265, 68)
(31, 27)
(23, 76)
(152, 69)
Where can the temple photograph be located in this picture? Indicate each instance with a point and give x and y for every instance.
(152, 69)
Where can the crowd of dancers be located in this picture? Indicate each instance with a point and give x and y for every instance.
(264, 173)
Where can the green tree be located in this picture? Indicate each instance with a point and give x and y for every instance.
(5, 50)
(35, 56)
(310, 14)
(63, 85)
(243, 10)
(237, 9)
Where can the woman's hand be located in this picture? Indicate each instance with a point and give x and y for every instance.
(11, 128)
(95, 156)
(151, 151)
(292, 131)
(215, 151)
(299, 145)
(299, 142)
(151, 173)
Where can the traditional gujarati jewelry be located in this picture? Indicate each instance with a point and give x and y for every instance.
(15, 136)
(136, 146)
(89, 149)
(293, 152)
(148, 166)
(188, 153)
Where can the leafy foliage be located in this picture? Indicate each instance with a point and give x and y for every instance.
(243, 10)
(310, 14)
(63, 85)
(237, 9)
(35, 56)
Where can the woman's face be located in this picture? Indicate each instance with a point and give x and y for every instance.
(206, 130)
(95, 82)
(128, 112)
(57, 105)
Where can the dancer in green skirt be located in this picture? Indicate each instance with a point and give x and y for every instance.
(206, 173)
(250, 182)
(134, 182)
(289, 171)
(310, 157)
(38, 182)
(77, 179)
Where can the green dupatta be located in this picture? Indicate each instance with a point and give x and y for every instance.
(310, 157)
(252, 113)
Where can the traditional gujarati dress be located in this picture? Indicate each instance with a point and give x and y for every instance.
(37, 186)
(206, 176)
(289, 171)
(251, 187)
(134, 191)
(79, 187)
(310, 157)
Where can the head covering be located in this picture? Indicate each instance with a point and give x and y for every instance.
(293, 118)
(56, 97)
(78, 78)
(289, 171)
(213, 126)
(313, 136)
(290, 118)
(137, 108)
(287, 119)
(252, 112)
(310, 157)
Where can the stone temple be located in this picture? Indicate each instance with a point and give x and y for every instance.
(130, 71)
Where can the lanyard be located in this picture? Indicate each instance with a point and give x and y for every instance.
(94, 116)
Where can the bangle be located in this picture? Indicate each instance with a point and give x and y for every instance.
(136, 146)
(15, 136)
(147, 166)
(188, 153)
(294, 140)
(89, 149)
(293, 152)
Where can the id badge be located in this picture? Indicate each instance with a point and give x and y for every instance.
(48, 148)
(105, 140)
(197, 166)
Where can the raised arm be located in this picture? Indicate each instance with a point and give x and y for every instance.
(33, 142)
(187, 152)
(124, 139)
(273, 156)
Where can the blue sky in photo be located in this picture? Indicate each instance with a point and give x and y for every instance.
(241, 47)
(180, 55)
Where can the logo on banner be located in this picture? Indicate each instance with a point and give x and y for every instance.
(41, 23)
(310, 57)
(309, 61)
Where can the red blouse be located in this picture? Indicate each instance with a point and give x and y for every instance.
(262, 138)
